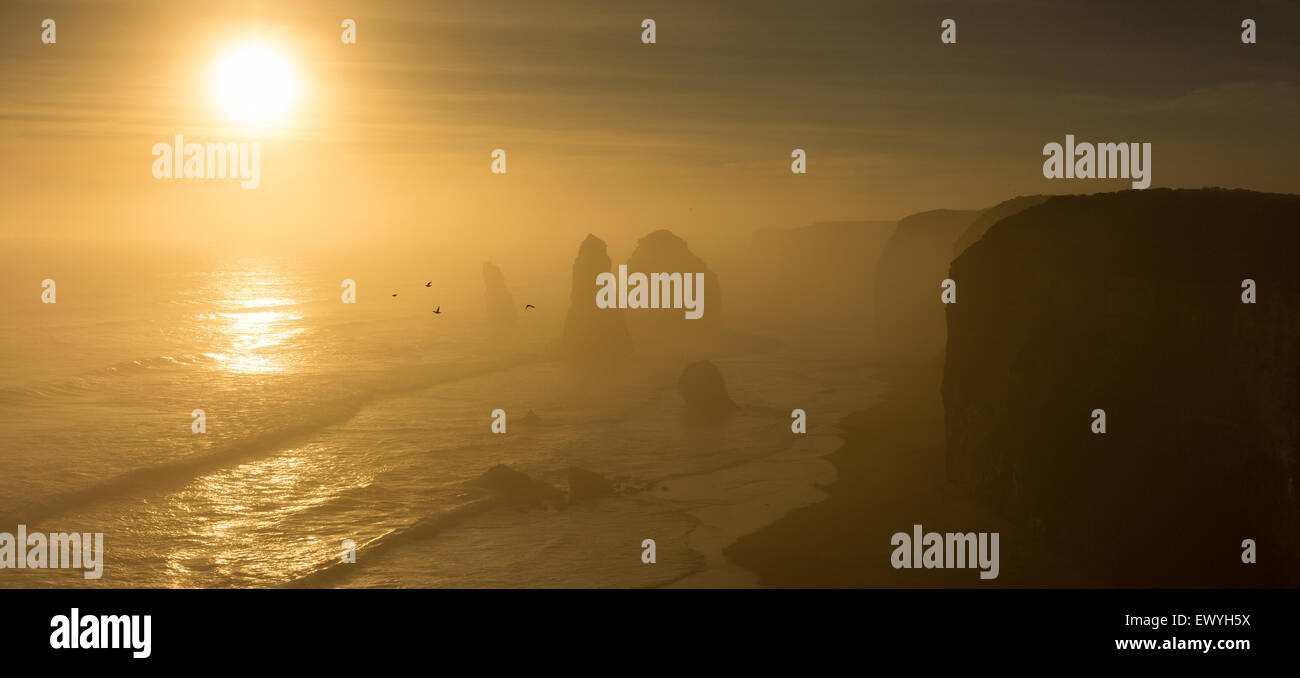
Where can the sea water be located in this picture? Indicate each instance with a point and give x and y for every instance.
(327, 422)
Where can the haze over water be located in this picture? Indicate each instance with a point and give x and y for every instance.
(328, 421)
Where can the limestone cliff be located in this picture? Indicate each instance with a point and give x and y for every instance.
(908, 314)
(1131, 303)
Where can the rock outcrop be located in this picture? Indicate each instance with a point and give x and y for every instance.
(667, 327)
(909, 316)
(992, 216)
(587, 485)
(502, 316)
(704, 392)
(516, 487)
(591, 333)
(1131, 303)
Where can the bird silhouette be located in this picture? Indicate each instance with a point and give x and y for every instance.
(438, 311)
(394, 294)
(528, 306)
(429, 284)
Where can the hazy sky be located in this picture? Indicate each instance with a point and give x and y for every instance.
(390, 140)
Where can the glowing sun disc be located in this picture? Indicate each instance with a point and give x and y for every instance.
(255, 85)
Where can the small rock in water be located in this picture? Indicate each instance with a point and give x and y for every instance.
(586, 485)
(519, 488)
(704, 391)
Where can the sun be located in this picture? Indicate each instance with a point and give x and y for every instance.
(254, 85)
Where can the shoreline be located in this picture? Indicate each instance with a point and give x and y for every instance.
(740, 499)
(754, 495)
(889, 476)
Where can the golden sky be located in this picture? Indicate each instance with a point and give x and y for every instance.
(390, 138)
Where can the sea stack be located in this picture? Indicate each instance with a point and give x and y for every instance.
(502, 316)
(704, 392)
(592, 333)
(668, 328)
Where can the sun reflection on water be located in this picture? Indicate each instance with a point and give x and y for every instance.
(257, 329)
(260, 522)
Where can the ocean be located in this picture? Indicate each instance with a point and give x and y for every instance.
(328, 421)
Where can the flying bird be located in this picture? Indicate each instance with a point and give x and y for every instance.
(429, 284)
(528, 306)
(394, 294)
(438, 310)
